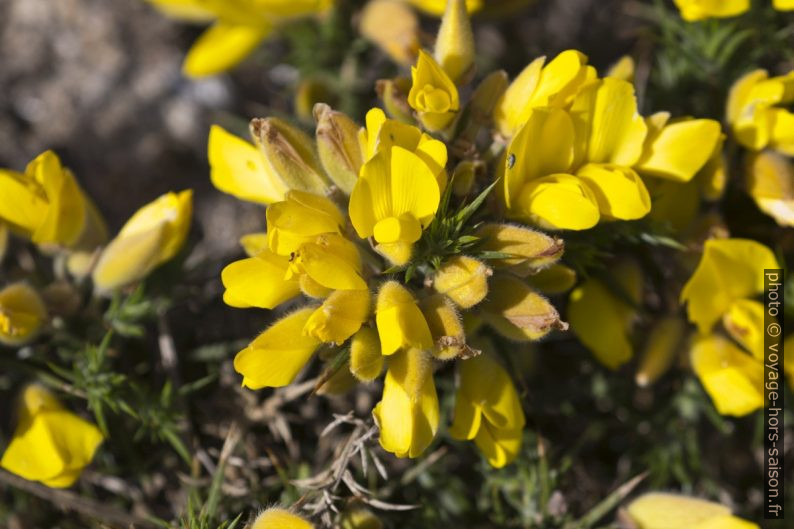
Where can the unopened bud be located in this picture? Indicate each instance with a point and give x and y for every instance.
(464, 280)
(366, 360)
(445, 326)
(660, 350)
(338, 146)
(527, 250)
(519, 313)
(455, 42)
(394, 94)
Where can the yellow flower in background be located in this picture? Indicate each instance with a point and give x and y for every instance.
(393, 27)
(437, 7)
(663, 346)
(602, 318)
(729, 270)
(407, 415)
(541, 85)
(692, 10)
(152, 236)
(770, 181)
(454, 48)
(401, 324)
(783, 5)
(277, 355)
(22, 314)
(757, 113)
(283, 158)
(50, 444)
(47, 205)
(487, 408)
(340, 316)
(624, 69)
(744, 322)
(278, 518)
(433, 94)
(238, 27)
(395, 198)
(659, 510)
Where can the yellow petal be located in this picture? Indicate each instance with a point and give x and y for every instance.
(558, 201)
(510, 113)
(623, 69)
(400, 323)
(729, 269)
(331, 261)
(693, 10)
(258, 282)
(770, 181)
(340, 316)
(499, 446)
(445, 326)
(366, 360)
(485, 383)
(299, 219)
(22, 313)
(191, 10)
(454, 49)
(668, 511)
(278, 518)
(222, 47)
(254, 243)
(517, 312)
(783, 5)
(619, 191)
(23, 203)
(680, 149)
(393, 27)
(662, 347)
(464, 280)
(726, 522)
(744, 321)
(238, 168)
(277, 355)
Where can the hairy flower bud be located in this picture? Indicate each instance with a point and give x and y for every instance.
(464, 280)
(433, 94)
(446, 327)
(338, 146)
(340, 316)
(517, 312)
(401, 324)
(22, 313)
(366, 360)
(529, 250)
(278, 518)
(454, 49)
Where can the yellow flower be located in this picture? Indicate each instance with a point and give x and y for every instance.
(678, 149)
(282, 159)
(487, 408)
(623, 69)
(330, 261)
(783, 5)
(729, 270)
(299, 219)
(258, 281)
(152, 236)
(407, 415)
(395, 198)
(446, 327)
(51, 444)
(744, 321)
(278, 518)
(659, 510)
(340, 316)
(529, 251)
(661, 349)
(401, 325)
(692, 10)
(464, 280)
(602, 319)
(619, 192)
(437, 7)
(338, 146)
(454, 49)
(757, 114)
(517, 312)
(22, 313)
(366, 360)
(733, 378)
(277, 355)
(46, 205)
(3, 240)
(552, 85)
(393, 27)
(433, 94)
(238, 28)
(770, 181)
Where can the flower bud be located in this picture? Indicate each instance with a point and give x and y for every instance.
(22, 313)
(464, 280)
(517, 312)
(529, 250)
(340, 316)
(400, 323)
(464, 177)
(454, 49)
(51, 444)
(152, 236)
(339, 147)
(661, 349)
(278, 518)
(360, 518)
(394, 95)
(290, 153)
(445, 326)
(393, 27)
(433, 94)
(366, 360)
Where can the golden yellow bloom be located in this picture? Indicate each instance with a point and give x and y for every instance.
(282, 159)
(433, 94)
(622, 69)
(541, 86)
(783, 5)
(366, 360)
(258, 281)
(299, 219)
(46, 204)
(340, 316)
(487, 409)
(393, 27)
(770, 181)
(152, 236)
(619, 192)
(729, 270)
(395, 198)
(278, 518)
(692, 10)
(22, 313)
(237, 30)
(744, 321)
(330, 261)
(277, 355)
(658, 510)
(51, 444)
(663, 345)
(464, 280)
(602, 320)
(517, 312)
(733, 378)
(407, 415)
(401, 324)
(529, 251)
(446, 327)
(338, 146)
(454, 49)
(757, 114)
